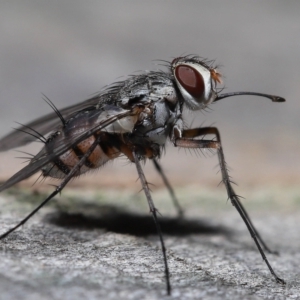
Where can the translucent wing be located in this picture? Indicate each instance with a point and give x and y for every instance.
(112, 114)
(50, 121)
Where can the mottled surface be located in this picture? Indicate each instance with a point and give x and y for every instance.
(104, 246)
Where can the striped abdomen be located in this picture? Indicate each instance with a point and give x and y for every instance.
(114, 141)
(106, 150)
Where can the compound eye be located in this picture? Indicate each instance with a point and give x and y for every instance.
(191, 80)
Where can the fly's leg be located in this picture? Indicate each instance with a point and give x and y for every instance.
(212, 130)
(187, 141)
(263, 244)
(169, 187)
(153, 210)
(58, 188)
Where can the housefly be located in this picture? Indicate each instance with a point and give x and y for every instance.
(131, 118)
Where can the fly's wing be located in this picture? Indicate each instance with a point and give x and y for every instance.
(108, 116)
(123, 93)
(50, 122)
(43, 125)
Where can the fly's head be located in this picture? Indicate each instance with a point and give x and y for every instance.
(196, 81)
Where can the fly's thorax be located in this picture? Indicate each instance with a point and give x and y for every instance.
(166, 93)
(156, 124)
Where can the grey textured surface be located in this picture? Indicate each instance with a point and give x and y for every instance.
(104, 246)
(69, 50)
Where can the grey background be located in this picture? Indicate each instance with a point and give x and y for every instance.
(69, 50)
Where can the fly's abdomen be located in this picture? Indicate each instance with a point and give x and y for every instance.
(106, 150)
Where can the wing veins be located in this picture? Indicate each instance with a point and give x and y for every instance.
(43, 159)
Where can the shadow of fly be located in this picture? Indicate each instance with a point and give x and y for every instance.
(131, 118)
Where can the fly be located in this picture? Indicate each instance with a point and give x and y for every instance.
(131, 118)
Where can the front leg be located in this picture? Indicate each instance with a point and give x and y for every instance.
(187, 141)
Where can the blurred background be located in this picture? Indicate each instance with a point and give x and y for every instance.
(69, 50)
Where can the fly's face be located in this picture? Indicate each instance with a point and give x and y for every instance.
(196, 81)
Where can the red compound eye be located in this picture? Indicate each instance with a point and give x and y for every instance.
(191, 80)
